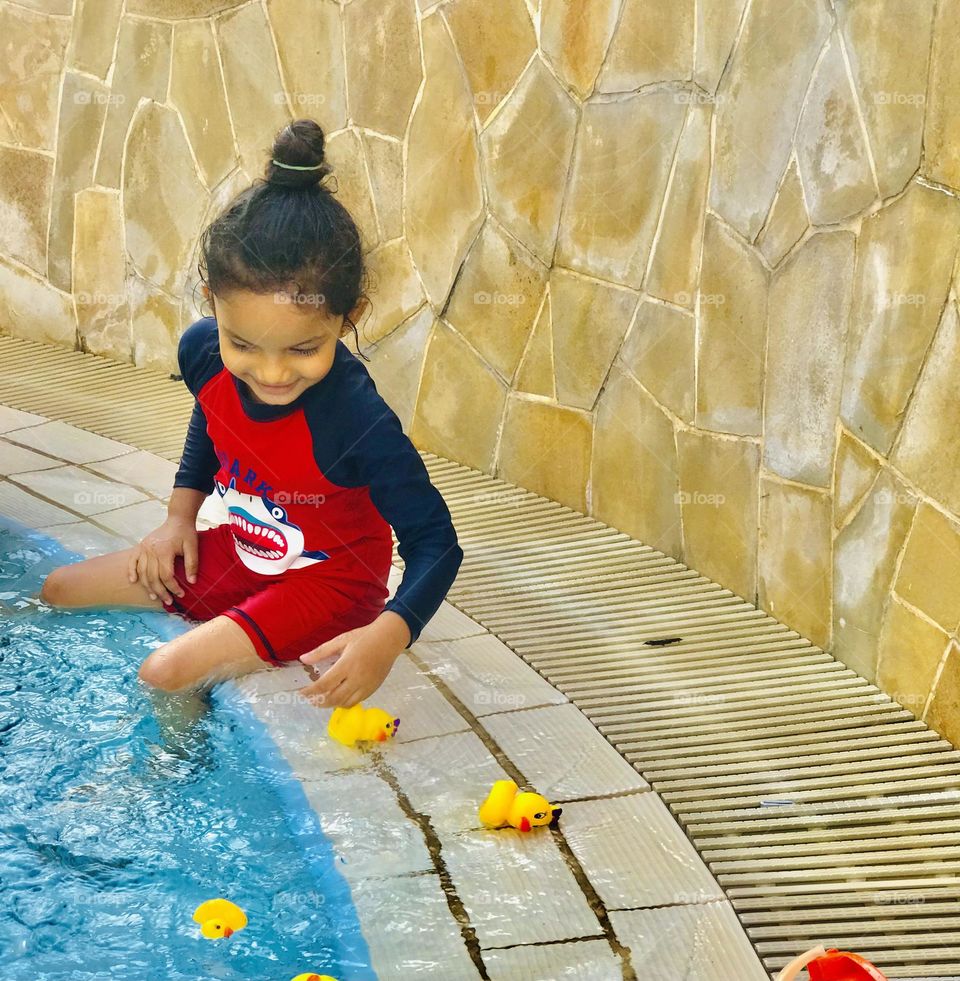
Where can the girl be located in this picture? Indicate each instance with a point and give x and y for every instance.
(312, 465)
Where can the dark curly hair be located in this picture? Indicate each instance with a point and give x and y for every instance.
(288, 229)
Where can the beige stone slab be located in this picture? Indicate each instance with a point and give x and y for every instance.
(928, 451)
(68, 442)
(17, 459)
(635, 854)
(943, 715)
(808, 312)
(516, 887)
(833, 159)
(909, 651)
(309, 38)
(94, 36)
(864, 558)
(496, 298)
(731, 334)
(650, 44)
(299, 729)
(795, 571)
(787, 220)
(26, 182)
(84, 539)
(526, 177)
(383, 34)
(486, 675)
(576, 41)
(447, 777)
(396, 360)
(460, 404)
(900, 287)
(442, 195)
(942, 121)
(141, 69)
(135, 521)
(890, 75)
(616, 191)
(260, 685)
(635, 481)
(696, 943)
(590, 320)
(385, 167)
(11, 418)
(717, 23)
(22, 506)
(399, 292)
(197, 90)
(30, 79)
(366, 826)
(854, 471)
(929, 572)
(584, 960)
(561, 753)
(80, 491)
(532, 431)
(448, 623)
(719, 488)
(30, 307)
(776, 52)
(660, 351)
(495, 42)
(140, 469)
(254, 89)
(422, 709)
(410, 931)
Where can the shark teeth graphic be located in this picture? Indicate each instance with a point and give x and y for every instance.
(260, 540)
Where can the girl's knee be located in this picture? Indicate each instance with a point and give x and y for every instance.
(54, 590)
(163, 672)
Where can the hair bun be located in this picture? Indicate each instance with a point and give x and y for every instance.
(299, 144)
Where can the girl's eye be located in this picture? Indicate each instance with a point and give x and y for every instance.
(240, 347)
(312, 350)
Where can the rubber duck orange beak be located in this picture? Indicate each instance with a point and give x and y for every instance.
(227, 932)
(381, 736)
(524, 824)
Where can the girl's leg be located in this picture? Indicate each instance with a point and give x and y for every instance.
(100, 581)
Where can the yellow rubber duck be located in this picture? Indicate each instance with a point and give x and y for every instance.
(357, 724)
(522, 811)
(219, 918)
(313, 977)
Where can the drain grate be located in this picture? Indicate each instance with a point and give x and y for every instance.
(826, 810)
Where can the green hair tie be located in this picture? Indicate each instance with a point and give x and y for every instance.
(294, 167)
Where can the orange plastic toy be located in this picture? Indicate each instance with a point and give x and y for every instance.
(831, 965)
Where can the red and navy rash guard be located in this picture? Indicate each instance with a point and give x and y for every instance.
(319, 481)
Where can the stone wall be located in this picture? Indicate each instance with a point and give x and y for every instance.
(689, 266)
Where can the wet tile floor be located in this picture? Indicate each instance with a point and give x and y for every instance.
(617, 891)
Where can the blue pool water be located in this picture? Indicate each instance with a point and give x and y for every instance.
(109, 839)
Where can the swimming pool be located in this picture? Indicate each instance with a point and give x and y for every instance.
(109, 838)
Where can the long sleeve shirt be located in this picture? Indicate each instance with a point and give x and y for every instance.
(317, 482)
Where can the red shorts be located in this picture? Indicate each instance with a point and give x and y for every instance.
(284, 616)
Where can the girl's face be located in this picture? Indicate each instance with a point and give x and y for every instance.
(277, 347)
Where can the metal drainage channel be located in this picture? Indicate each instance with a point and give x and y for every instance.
(719, 706)
(826, 811)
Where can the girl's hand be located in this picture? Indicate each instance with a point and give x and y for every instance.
(152, 564)
(366, 655)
